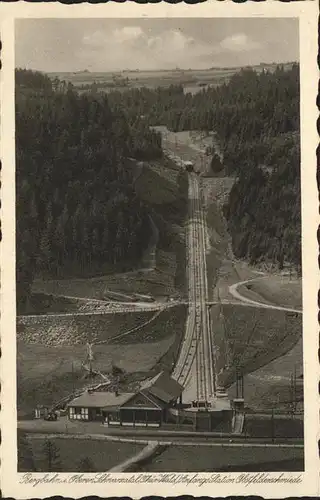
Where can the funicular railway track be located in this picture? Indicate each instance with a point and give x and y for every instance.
(195, 363)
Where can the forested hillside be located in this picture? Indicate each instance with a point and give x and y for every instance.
(261, 144)
(256, 119)
(77, 211)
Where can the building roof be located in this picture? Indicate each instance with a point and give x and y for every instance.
(163, 387)
(100, 399)
(151, 401)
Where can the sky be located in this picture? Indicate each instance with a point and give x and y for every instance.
(61, 45)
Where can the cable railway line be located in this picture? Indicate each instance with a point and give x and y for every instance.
(195, 365)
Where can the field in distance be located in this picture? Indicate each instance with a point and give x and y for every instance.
(192, 80)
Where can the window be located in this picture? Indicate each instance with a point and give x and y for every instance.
(79, 413)
(85, 413)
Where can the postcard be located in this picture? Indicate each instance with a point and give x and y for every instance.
(159, 255)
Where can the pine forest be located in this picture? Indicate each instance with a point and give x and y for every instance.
(78, 214)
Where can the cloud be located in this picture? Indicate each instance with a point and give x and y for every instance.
(114, 44)
(95, 39)
(132, 47)
(239, 42)
(128, 33)
(166, 41)
(170, 40)
(100, 39)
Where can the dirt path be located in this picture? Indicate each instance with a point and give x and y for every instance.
(147, 453)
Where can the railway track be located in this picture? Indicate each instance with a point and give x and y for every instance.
(195, 364)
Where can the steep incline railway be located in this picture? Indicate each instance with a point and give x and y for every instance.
(195, 366)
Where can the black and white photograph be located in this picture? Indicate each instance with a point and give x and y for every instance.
(158, 240)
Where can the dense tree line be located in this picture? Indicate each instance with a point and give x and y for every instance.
(33, 80)
(263, 210)
(261, 146)
(269, 100)
(77, 211)
(256, 118)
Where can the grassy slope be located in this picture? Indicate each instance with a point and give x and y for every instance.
(47, 373)
(164, 190)
(214, 191)
(276, 289)
(48, 381)
(102, 454)
(218, 246)
(255, 337)
(48, 304)
(25, 455)
(209, 459)
(270, 386)
(60, 372)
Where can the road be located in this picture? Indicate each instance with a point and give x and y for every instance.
(195, 365)
(63, 427)
(233, 289)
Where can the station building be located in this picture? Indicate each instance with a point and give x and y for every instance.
(148, 407)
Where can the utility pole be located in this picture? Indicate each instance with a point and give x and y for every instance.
(237, 384)
(295, 389)
(291, 395)
(90, 357)
(72, 377)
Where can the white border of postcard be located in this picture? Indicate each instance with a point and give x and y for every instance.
(268, 485)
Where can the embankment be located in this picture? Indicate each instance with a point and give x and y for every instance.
(249, 338)
(214, 191)
(165, 192)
